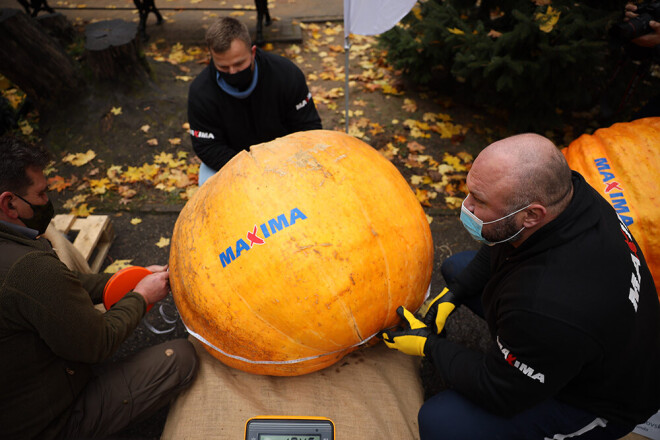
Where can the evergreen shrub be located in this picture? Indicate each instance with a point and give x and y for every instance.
(533, 59)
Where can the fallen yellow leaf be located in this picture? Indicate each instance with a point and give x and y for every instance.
(163, 242)
(82, 210)
(117, 265)
(547, 20)
(115, 111)
(79, 159)
(136, 221)
(454, 202)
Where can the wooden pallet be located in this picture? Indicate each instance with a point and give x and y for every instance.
(95, 235)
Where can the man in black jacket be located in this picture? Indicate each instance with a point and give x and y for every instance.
(244, 97)
(569, 302)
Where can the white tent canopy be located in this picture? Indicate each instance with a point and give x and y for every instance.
(370, 17)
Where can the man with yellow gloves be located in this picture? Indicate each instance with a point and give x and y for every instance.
(569, 302)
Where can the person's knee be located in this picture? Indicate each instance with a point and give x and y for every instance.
(455, 264)
(183, 357)
(450, 415)
(435, 414)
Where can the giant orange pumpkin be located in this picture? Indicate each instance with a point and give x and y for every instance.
(622, 162)
(297, 252)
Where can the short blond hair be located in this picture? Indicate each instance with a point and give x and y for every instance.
(223, 31)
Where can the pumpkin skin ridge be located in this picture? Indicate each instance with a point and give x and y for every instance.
(385, 260)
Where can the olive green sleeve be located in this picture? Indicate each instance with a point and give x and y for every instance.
(94, 283)
(52, 300)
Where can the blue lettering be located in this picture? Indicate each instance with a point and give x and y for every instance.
(602, 164)
(615, 195)
(241, 246)
(296, 214)
(227, 257)
(620, 205)
(275, 224)
(278, 224)
(626, 220)
(606, 176)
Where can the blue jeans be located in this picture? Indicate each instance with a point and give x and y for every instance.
(205, 172)
(450, 416)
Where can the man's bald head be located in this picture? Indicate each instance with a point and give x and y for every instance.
(533, 168)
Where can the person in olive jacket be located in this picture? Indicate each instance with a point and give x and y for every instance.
(53, 339)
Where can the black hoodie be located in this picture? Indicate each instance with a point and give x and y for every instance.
(574, 315)
(222, 125)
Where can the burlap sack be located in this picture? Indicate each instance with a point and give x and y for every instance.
(374, 393)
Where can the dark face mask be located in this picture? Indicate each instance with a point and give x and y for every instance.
(241, 80)
(43, 214)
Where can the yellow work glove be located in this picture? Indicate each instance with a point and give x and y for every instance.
(413, 336)
(438, 310)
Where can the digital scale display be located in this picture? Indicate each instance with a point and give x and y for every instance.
(289, 428)
(288, 437)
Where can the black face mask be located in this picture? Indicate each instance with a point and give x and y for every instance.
(241, 80)
(42, 216)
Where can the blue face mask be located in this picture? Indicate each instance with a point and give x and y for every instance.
(474, 225)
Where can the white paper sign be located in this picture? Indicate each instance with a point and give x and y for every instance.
(651, 428)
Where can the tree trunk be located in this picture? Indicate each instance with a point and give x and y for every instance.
(57, 26)
(34, 61)
(113, 52)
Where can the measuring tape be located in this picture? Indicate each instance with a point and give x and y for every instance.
(289, 428)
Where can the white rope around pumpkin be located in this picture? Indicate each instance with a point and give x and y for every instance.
(292, 361)
(250, 361)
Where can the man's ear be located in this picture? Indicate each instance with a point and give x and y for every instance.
(534, 215)
(7, 209)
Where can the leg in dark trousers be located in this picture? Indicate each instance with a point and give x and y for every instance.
(262, 14)
(124, 392)
(144, 7)
(450, 269)
(449, 415)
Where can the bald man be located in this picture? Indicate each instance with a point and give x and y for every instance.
(568, 299)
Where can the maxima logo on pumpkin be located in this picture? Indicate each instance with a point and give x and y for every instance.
(268, 228)
(614, 190)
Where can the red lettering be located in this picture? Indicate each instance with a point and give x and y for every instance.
(613, 185)
(254, 239)
(630, 244)
(510, 359)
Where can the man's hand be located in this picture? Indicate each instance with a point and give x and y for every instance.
(412, 338)
(438, 310)
(157, 268)
(154, 287)
(649, 40)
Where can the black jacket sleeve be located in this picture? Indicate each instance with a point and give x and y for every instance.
(472, 280)
(300, 113)
(208, 141)
(521, 369)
